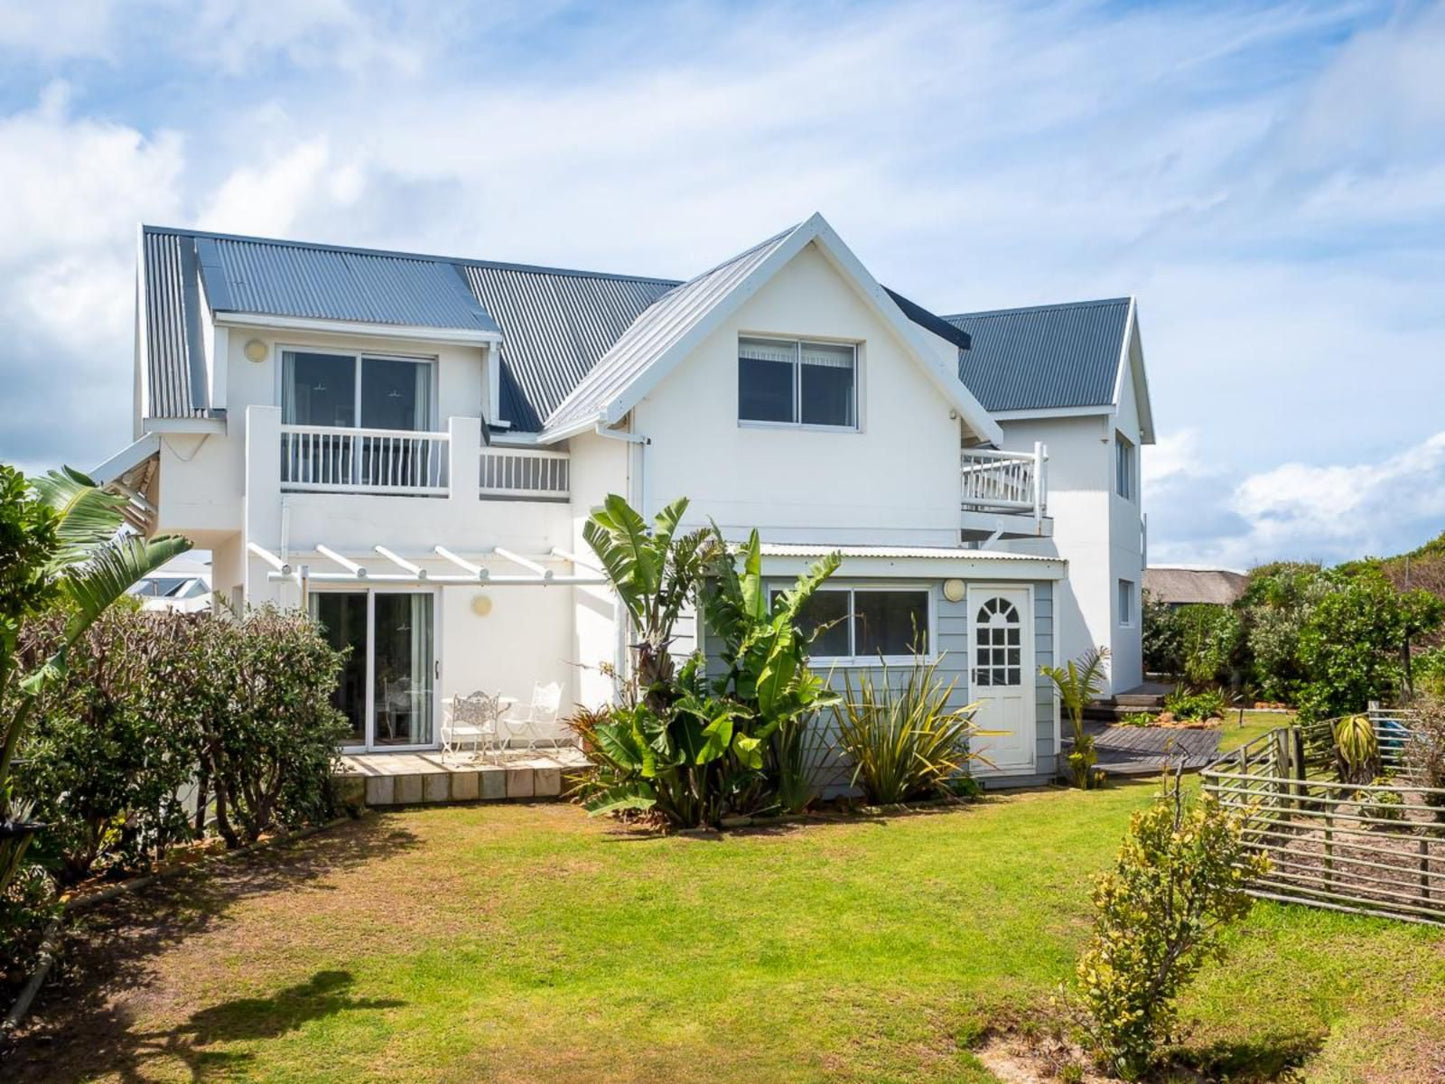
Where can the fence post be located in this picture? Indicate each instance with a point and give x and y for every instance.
(1425, 869)
(1329, 846)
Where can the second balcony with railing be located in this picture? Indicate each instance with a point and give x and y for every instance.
(403, 463)
(1009, 489)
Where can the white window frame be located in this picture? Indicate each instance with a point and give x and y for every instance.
(1126, 469)
(1126, 592)
(357, 357)
(798, 344)
(853, 661)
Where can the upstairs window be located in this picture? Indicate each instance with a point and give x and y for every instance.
(790, 382)
(1126, 603)
(1124, 466)
(349, 390)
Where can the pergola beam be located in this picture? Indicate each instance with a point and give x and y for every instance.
(525, 562)
(409, 566)
(357, 572)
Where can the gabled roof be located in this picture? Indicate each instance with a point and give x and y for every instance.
(674, 325)
(1046, 357)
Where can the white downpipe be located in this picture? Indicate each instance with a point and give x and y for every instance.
(623, 660)
(642, 442)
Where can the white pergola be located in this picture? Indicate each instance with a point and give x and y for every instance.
(399, 569)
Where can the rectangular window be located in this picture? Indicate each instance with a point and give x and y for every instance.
(351, 390)
(1124, 466)
(862, 623)
(1126, 602)
(790, 382)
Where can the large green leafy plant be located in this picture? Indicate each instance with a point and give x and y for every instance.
(1078, 682)
(904, 740)
(63, 544)
(1180, 877)
(764, 648)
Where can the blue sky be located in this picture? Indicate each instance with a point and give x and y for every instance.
(1269, 179)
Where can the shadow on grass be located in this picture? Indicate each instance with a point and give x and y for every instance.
(81, 1025)
(126, 1054)
(1254, 1060)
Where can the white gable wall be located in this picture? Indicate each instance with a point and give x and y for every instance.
(893, 481)
(1126, 557)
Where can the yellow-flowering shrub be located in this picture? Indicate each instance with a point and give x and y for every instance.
(1179, 877)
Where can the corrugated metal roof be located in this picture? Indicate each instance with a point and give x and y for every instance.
(556, 325)
(287, 278)
(1045, 357)
(661, 327)
(170, 318)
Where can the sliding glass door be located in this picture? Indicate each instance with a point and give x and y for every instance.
(387, 687)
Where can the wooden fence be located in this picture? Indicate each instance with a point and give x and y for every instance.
(1364, 849)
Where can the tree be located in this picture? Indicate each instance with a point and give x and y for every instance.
(64, 544)
(1078, 682)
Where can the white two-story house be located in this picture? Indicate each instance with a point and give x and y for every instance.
(408, 446)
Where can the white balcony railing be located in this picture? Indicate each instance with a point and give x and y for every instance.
(525, 472)
(995, 481)
(325, 459)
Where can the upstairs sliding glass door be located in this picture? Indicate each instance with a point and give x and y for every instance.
(343, 409)
(388, 683)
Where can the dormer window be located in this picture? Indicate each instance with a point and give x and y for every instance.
(795, 382)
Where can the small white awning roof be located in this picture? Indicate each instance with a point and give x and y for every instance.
(923, 561)
(381, 565)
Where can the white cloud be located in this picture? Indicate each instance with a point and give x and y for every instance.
(56, 28)
(271, 199)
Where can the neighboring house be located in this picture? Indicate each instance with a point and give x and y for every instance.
(183, 584)
(1185, 585)
(409, 446)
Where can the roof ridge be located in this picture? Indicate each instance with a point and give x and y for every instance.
(1093, 303)
(499, 265)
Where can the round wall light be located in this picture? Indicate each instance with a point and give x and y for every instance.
(482, 605)
(953, 590)
(256, 350)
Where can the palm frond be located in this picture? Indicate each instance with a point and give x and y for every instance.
(109, 572)
(86, 515)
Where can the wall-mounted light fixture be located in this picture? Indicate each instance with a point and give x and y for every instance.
(256, 350)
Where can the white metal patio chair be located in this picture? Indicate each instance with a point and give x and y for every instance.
(540, 714)
(472, 720)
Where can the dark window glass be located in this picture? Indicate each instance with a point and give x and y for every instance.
(343, 622)
(395, 394)
(765, 380)
(826, 379)
(320, 389)
(890, 622)
(827, 615)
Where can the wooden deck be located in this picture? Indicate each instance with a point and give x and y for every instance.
(429, 778)
(1151, 750)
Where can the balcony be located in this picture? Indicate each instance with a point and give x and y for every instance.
(401, 463)
(1004, 494)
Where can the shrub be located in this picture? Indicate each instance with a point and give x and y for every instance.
(1210, 641)
(1357, 752)
(1425, 752)
(105, 762)
(1137, 718)
(1384, 807)
(1162, 640)
(1179, 877)
(269, 732)
(903, 738)
(1195, 707)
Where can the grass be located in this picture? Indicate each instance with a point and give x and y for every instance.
(515, 943)
(1232, 735)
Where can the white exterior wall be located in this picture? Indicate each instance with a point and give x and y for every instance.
(893, 481)
(600, 466)
(1126, 550)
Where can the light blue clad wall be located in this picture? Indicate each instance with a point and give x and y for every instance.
(952, 631)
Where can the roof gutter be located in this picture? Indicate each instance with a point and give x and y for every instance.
(457, 335)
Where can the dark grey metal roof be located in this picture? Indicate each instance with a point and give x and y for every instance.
(556, 326)
(1045, 357)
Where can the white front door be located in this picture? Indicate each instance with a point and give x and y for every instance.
(1001, 646)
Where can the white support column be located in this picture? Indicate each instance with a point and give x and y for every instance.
(261, 524)
(464, 472)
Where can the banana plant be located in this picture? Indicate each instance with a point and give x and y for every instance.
(1078, 682)
(69, 550)
(655, 573)
(766, 655)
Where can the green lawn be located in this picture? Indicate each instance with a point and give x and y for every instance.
(521, 943)
(1232, 735)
